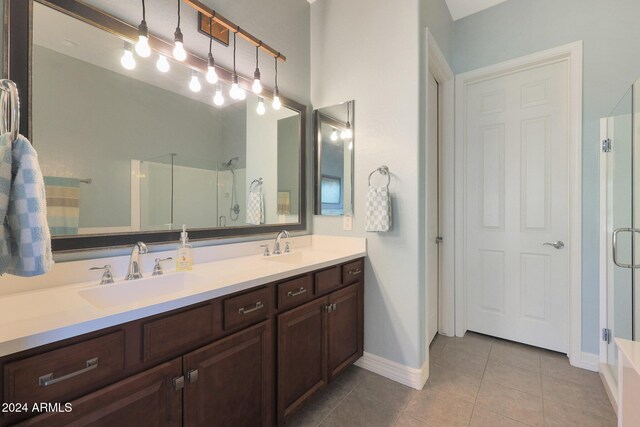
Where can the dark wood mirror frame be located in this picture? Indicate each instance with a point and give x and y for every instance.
(17, 67)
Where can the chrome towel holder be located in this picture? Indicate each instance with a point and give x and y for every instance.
(10, 101)
(382, 170)
(255, 184)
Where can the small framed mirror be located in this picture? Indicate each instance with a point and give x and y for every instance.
(334, 144)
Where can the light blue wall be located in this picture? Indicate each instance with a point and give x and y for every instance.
(611, 36)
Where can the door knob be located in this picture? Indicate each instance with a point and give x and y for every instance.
(558, 244)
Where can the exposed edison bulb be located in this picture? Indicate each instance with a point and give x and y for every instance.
(163, 64)
(127, 60)
(194, 84)
(348, 134)
(277, 104)
(218, 99)
(257, 86)
(178, 51)
(212, 76)
(142, 47)
(334, 135)
(261, 109)
(234, 92)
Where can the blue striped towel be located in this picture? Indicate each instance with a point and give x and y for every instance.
(29, 237)
(5, 189)
(63, 205)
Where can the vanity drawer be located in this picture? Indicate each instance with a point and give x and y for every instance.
(177, 333)
(295, 292)
(352, 272)
(328, 280)
(246, 308)
(66, 372)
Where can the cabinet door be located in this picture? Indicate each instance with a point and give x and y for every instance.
(229, 382)
(302, 355)
(345, 328)
(144, 400)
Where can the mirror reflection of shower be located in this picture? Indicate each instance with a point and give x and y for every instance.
(234, 209)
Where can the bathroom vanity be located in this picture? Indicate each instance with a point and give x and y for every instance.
(245, 357)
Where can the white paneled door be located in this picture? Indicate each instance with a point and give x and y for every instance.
(517, 206)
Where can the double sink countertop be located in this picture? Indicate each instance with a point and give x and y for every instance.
(64, 303)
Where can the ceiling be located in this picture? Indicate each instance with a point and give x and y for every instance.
(461, 8)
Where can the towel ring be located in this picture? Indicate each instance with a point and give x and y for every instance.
(10, 101)
(382, 170)
(255, 184)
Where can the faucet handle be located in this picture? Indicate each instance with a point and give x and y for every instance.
(107, 276)
(266, 250)
(287, 247)
(157, 269)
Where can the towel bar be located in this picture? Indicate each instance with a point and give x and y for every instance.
(10, 121)
(257, 182)
(382, 170)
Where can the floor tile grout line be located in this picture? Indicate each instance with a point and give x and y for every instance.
(338, 404)
(475, 401)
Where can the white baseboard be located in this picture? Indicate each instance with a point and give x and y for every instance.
(587, 361)
(610, 385)
(411, 377)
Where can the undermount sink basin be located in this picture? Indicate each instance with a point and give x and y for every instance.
(135, 291)
(290, 258)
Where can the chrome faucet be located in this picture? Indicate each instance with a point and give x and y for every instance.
(135, 271)
(276, 246)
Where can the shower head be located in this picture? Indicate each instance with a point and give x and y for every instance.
(230, 162)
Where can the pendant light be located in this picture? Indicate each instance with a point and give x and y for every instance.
(163, 63)
(257, 85)
(142, 46)
(212, 76)
(277, 104)
(236, 92)
(194, 84)
(127, 60)
(334, 135)
(261, 108)
(218, 99)
(178, 51)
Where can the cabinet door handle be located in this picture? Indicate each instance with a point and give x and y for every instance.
(295, 294)
(192, 376)
(334, 307)
(354, 272)
(47, 380)
(244, 310)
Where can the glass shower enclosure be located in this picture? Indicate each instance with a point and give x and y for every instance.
(620, 228)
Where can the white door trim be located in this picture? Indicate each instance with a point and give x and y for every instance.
(438, 66)
(572, 53)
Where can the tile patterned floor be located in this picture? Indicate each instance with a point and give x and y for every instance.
(475, 381)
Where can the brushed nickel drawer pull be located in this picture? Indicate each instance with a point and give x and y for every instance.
(192, 375)
(47, 380)
(244, 310)
(354, 272)
(295, 294)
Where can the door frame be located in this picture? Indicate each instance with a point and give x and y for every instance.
(572, 53)
(438, 66)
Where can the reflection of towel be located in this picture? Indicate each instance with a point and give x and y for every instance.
(63, 205)
(255, 208)
(30, 240)
(284, 203)
(5, 189)
(378, 209)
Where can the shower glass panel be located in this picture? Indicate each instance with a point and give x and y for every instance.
(619, 219)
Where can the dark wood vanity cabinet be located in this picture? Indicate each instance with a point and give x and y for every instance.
(247, 359)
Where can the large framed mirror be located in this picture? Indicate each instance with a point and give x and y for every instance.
(334, 145)
(130, 151)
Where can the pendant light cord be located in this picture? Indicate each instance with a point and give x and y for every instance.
(234, 53)
(210, 31)
(257, 49)
(179, 13)
(144, 11)
(276, 73)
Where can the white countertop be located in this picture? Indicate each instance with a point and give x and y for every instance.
(631, 349)
(33, 318)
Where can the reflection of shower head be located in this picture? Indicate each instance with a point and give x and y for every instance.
(230, 162)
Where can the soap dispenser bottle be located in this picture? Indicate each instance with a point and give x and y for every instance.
(183, 260)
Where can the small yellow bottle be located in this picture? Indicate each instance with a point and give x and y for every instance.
(184, 261)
